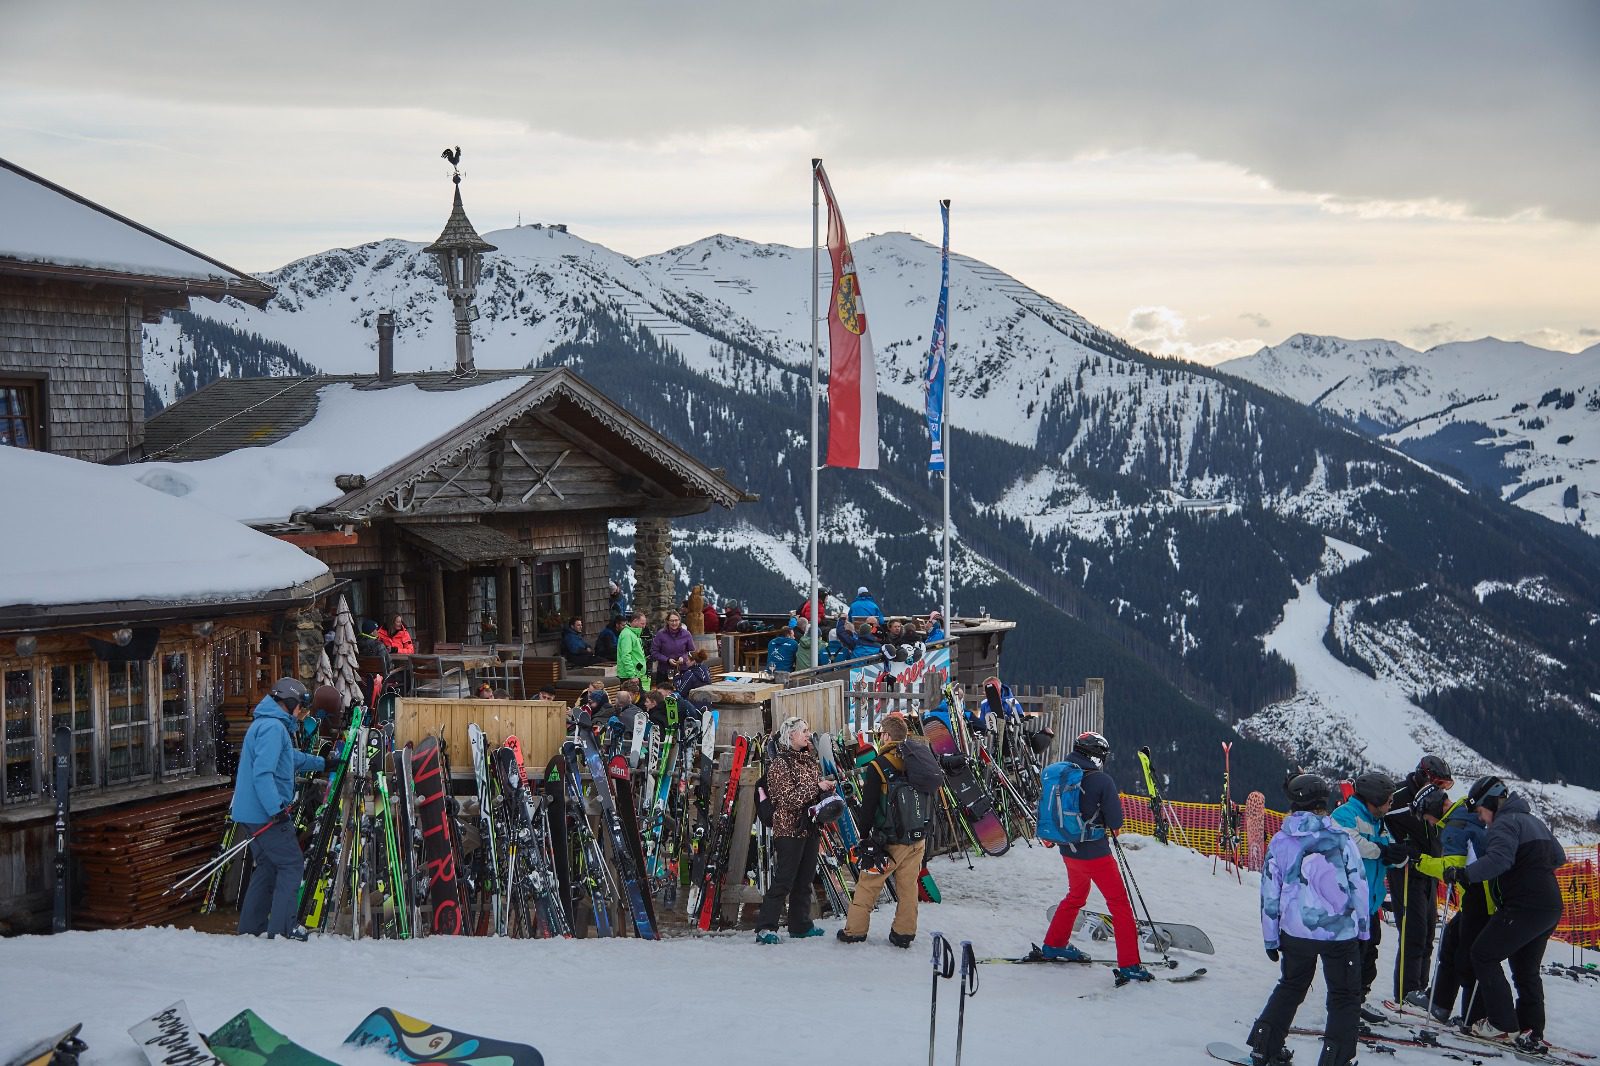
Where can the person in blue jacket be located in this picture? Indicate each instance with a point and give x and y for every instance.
(263, 789)
(1362, 817)
(781, 651)
(864, 606)
(1462, 837)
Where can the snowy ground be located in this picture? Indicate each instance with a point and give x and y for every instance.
(717, 999)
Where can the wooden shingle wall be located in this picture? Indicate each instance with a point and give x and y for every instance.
(89, 345)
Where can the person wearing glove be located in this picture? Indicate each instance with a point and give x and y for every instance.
(1315, 903)
(893, 848)
(1414, 818)
(1521, 856)
(1362, 817)
(263, 789)
(1461, 839)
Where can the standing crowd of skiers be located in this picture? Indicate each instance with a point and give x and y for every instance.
(1331, 869)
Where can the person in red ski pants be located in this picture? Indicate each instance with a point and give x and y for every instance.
(1092, 863)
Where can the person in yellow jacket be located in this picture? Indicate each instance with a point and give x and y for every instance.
(1461, 840)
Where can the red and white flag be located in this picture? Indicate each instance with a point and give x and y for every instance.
(852, 373)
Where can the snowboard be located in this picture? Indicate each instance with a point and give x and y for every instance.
(1221, 1049)
(413, 1040)
(62, 1049)
(170, 1039)
(438, 855)
(1183, 937)
(246, 1040)
(1035, 955)
(1255, 815)
(976, 806)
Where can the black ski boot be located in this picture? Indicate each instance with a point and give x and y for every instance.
(901, 940)
(846, 938)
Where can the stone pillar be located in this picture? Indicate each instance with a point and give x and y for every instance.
(653, 586)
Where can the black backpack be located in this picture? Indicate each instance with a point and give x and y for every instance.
(905, 811)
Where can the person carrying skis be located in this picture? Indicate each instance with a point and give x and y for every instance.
(1413, 892)
(1315, 903)
(1461, 838)
(1521, 856)
(263, 789)
(630, 649)
(1362, 817)
(794, 782)
(894, 846)
(1091, 863)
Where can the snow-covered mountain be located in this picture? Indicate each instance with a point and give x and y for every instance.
(1155, 523)
(1505, 417)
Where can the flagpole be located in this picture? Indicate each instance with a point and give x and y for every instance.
(945, 441)
(816, 407)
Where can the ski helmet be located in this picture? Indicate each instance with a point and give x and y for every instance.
(1487, 792)
(1374, 787)
(1430, 800)
(1093, 745)
(287, 690)
(1435, 769)
(1308, 792)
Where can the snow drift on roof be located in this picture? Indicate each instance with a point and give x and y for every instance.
(354, 431)
(90, 534)
(41, 224)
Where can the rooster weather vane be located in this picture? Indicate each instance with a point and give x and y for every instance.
(453, 157)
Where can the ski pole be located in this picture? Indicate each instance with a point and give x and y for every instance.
(1157, 939)
(198, 875)
(944, 965)
(1438, 951)
(969, 987)
(1405, 917)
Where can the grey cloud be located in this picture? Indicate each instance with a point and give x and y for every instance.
(1257, 319)
(1589, 331)
(1433, 333)
(1474, 101)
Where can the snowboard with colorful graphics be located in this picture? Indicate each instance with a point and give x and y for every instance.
(246, 1040)
(413, 1040)
(975, 805)
(62, 1049)
(1255, 830)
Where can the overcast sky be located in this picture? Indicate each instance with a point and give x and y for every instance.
(1202, 178)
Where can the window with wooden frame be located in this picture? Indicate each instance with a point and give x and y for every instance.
(127, 754)
(71, 696)
(557, 593)
(177, 714)
(20, 720)
(364, 596)
(22, 412)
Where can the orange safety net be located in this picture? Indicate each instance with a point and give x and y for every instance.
(1199, 827)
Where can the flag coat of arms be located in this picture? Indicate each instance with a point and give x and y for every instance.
(852, 372)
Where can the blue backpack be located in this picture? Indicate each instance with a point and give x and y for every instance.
(1061, 806)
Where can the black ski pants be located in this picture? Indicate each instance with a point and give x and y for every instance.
(1414, 898)
(273, 897)
(1341, 971)
(1516, 936)
(1369, 956)
(1454, 975)
(793, 870)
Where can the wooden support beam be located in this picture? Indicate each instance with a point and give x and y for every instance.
(328, 539)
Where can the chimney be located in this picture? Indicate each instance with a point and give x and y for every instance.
(385, 345)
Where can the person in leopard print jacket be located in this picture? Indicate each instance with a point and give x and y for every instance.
(794, 782)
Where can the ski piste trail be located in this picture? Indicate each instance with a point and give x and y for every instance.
(723, 998)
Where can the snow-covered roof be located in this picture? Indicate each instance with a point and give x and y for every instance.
(48, 230)
(353, 431)
(76, 533)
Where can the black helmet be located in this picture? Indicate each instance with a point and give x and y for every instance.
(1487, 792)
(1375, 787)
(1435, 769)
(1040, 741)
(1429, 800)
(289, 691)
(1308, 792)
(1092, 744)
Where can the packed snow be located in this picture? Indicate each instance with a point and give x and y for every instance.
(354, 431)
(39, 224)
(723, 998)
(100, 536)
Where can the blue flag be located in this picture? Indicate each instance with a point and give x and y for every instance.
(933, 373)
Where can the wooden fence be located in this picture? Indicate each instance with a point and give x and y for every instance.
(1067, 711)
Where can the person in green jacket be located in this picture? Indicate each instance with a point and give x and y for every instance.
(630, 650)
